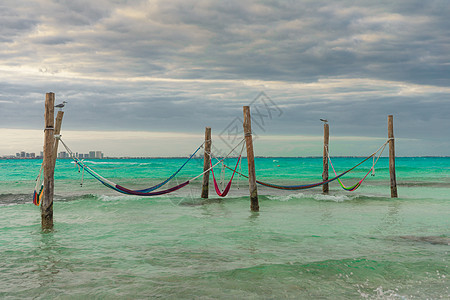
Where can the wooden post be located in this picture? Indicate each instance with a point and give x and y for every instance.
(58, 123)
(326, 139)
(206, 162)
(392, 157)
(254, 205)
(49, 169)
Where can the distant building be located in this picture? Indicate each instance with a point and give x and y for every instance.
(22, 154)
(32, 155)
(94, 154)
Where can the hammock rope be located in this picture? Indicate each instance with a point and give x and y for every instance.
(240, 171)
(157, 186)
(228, 186)
(118, 188)
(312, 185)
(372, 169)
(151, 191)
(173, 175)
(114, 186)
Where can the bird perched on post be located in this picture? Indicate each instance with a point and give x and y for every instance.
(61, 105)
(324, 120)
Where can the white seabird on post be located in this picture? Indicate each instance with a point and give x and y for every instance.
(61, 105)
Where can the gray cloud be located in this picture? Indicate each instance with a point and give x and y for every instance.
(182, 65)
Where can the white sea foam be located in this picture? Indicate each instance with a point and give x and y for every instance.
(114, 198)
(335, 198)
(107, 198)
(8, 204)
(288, 197)
(318, 197)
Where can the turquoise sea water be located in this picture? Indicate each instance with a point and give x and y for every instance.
(301, 245)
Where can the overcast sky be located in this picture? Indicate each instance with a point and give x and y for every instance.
(146, 77)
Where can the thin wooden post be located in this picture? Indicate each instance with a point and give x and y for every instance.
(254, 205)
(58, 122)
(49, 167)
(326, 139)
(206, 163)
(392, 157)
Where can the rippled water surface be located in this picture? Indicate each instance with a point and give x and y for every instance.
(302, 244)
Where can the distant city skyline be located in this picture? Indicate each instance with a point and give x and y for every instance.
(61, 155)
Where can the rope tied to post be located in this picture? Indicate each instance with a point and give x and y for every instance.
(372, 169)
(145, 192)
(312, 185)
(225, 190)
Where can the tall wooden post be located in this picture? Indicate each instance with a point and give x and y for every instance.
(326, 139)
(58, 122)
(392, 157)
(49, 169)
(254, 205)
(206, 162)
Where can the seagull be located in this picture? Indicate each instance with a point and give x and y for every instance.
(61, 105)
(324, 120)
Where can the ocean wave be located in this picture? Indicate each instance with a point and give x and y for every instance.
(74, 197)
(317, 197)
(435, 240)
(14, 199)
(331, 198)
(334, 198)
(434, 184)
(115, 198)
(122, 197)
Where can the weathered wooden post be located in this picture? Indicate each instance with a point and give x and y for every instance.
(392, 156)
(206, 162)
(326, 139)
(49, 169)
(58, 122)
(254, 205)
